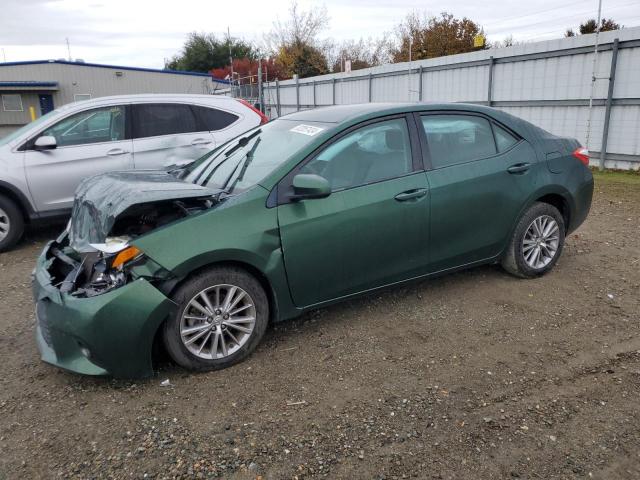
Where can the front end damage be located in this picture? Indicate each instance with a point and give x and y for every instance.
(107, 333)
(99, 299)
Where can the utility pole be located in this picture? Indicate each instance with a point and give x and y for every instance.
(68, 48)
(230, 57)
(594, 68)
(260, 99)
(409, 74)
(4, 56)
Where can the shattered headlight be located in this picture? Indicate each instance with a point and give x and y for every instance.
(118, 263)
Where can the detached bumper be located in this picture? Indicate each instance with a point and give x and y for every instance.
(109, 334)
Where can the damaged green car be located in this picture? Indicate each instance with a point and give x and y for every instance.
(305, 211)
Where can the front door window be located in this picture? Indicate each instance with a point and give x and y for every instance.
(91, 126)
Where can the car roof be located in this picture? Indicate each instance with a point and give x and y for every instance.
(220, 101)
(344, 113)
(151, 97)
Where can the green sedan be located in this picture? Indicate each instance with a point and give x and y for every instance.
(305, 211)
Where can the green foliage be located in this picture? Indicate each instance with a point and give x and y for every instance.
(294, 42)
(434, 36)
(302, 59)
(590, 26)
(204, 51)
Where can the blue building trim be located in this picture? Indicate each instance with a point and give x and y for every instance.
(28, 84)
(116, 67)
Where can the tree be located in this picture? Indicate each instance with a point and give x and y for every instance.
(204, 51)
(507, 42)
(294, 43)
(302, 59)
(362, 54)
(302, 27)
(434, 36)
(245, 68)
(591, 25)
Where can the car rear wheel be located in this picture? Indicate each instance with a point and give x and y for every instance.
(537, 242)
(222, 315)
(11, 223)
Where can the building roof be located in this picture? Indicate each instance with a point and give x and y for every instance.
(118, 67)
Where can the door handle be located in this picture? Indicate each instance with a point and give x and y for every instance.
(116, 151)
(200, 141)
(411, 194)
(518, 168)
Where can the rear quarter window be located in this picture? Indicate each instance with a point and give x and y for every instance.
(504, 139)
(215, 119)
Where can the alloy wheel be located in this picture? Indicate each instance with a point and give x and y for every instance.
(217, 321)
(5, 224)
(541, 241)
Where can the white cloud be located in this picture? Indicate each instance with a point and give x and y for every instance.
(144, 32)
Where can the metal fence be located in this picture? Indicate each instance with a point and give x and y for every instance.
(548, 83)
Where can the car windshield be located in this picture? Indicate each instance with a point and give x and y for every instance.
(27, 127)
(244, 161)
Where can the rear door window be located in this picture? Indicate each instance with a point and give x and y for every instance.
(156, 119)
(455, 139)
(215, 119)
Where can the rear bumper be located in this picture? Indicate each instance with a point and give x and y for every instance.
(109, 334)
(582, 198)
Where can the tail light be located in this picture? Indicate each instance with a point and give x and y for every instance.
(263, 118)
(582, 154)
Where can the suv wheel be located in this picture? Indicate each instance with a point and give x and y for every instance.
(222, 315)
(537, 242)
(11, 223)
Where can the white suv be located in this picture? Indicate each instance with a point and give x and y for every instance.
(42, 163)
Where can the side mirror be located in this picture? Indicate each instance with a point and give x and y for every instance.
(45, 142)
(308, 186)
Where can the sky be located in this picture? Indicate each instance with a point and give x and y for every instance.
(143, 33)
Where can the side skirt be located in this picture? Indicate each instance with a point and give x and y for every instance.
(477, 263)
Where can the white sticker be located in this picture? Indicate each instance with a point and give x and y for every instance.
(307, 130)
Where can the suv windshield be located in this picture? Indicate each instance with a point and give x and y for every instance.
(244, 161)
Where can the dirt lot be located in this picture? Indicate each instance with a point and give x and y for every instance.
(474, 375)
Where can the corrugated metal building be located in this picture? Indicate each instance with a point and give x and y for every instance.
(31, 89)
(547, 83)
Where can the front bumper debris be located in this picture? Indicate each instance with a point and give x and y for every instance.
(108, 334)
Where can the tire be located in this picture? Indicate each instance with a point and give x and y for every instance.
(520, 258)
(218, 332)
(11, 223)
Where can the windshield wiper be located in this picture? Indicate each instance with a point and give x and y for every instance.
(207, 172)
(243, 142)
(243, 164)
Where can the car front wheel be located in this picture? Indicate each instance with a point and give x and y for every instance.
(536, 243)
(222, 315)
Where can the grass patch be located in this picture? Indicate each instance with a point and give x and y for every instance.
(628, 177)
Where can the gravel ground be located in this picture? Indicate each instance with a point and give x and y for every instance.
(473, 375)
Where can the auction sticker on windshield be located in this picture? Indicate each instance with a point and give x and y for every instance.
(307, 129)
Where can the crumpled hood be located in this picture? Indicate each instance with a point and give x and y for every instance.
(100, 199)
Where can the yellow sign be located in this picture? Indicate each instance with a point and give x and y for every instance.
(478, 41)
